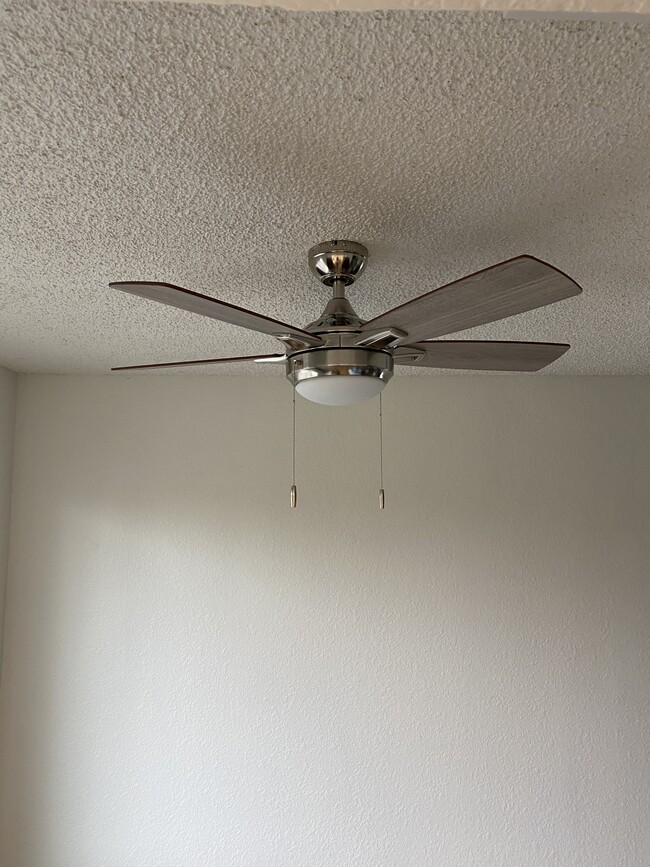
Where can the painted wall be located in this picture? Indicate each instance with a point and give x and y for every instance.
(196, 675)
(617, 10)
(7, 424)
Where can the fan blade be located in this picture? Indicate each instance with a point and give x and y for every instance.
(203, 361)
(483, 355)
(176, 296)
(503, 290)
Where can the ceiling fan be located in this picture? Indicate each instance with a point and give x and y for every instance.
(340, 359)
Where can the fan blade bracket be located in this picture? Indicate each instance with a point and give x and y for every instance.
(297, 342)
(382, 338)
(404, 354)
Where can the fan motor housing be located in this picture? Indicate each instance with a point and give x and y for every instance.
(339, 361)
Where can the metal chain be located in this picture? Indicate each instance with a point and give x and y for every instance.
(294, 490)
(381, 454)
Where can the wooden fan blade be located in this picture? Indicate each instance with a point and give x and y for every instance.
(483, 355)
(503, 290)
(194, 302)
(202, 361)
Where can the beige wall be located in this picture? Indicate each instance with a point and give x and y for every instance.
(7, 423)
(196, 675)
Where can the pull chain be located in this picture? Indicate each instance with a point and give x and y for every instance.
(381, 455)
(294, 490)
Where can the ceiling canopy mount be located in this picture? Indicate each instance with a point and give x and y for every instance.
(337, 261)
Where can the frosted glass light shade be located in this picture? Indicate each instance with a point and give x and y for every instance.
(339, 390)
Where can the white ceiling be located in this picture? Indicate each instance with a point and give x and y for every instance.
(211, 146)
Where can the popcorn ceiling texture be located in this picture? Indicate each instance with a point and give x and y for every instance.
(211, 146)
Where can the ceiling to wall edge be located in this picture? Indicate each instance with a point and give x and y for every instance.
(625, 11)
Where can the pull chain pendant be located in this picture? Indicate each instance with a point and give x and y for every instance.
(294, 489)
(382, 496)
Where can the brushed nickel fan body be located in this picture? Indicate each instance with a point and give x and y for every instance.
(337, 264)
(339, 348)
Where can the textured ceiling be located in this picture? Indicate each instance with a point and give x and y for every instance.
(211, 146)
